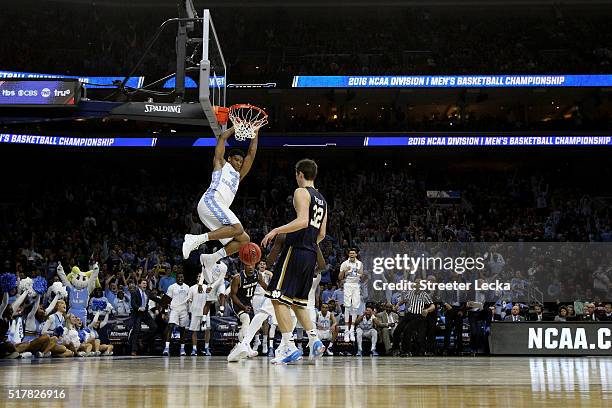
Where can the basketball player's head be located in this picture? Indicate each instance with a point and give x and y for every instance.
(352, 254)
(235, 157)
(305, 172)
(324, 308)
(368, 312)
(180, 278)
(248, 269)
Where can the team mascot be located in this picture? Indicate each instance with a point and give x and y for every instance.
(79, 285)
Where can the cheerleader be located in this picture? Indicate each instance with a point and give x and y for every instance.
(55, 327)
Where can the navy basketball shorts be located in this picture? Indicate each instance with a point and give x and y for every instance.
(292, 277)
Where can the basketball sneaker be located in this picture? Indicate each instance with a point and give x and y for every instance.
(359, 353)
(352, 335)
(251, 353)
(328, 352)
(194, 352)
(166, 352)
(189, 244)
(316, 349)
(374, 353)
(286, 355)
(207, 352)
(270, 352)
(239, 352)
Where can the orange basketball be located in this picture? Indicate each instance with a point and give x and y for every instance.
(250, 254)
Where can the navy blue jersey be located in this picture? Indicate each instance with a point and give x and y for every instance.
(306, 238)
(247, 287)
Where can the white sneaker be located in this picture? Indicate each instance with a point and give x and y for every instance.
(47, 354)
(352, 335)
(239, 352)
(26, 354)
(40, 354)
(264, 349)
(97, 353)
(107, 353)
(82, 354)
(287, 355)
(346, 336)
(256, 343)
(328, 352)
(252, 353)
(189, 244)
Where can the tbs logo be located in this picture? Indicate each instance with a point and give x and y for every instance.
(46, 92)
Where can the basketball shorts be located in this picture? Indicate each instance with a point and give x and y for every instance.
(195, 324)
(325, 334)
(352, 295)
(179, 317)
(291, 283)
(214, 214)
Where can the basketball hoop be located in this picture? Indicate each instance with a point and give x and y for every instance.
(247, 119)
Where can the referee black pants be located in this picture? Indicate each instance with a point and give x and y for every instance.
(411, 325)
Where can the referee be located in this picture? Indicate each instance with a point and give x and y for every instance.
(414, 323)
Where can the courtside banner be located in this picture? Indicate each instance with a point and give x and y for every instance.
(551, 338)
(453, 81)
(87, 81)
(67, 141)
(487, 140)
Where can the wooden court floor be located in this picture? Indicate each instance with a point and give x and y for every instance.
(333, 382)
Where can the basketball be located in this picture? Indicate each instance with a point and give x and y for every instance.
(250, 254)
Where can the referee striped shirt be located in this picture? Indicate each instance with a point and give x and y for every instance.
(417, 301)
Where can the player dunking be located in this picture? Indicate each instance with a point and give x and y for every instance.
(214, 206)
(289, 287)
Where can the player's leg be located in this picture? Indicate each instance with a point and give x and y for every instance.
(169, 330)
(224, 226)
(244, 349)
(348, 315)
(265, 328)
(359, 341)
(195, 326)
(208, 329)
(374, 338)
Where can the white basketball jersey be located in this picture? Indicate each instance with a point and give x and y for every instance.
(179, 294)
(259, 291)
(198, 300)
(224, 185)
(313, 291)
(215, 273)
(352, 276)
(324, 322)
(367, 324)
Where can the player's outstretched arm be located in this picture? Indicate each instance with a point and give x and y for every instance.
(250, 156)
(301, 201)
(219, 159)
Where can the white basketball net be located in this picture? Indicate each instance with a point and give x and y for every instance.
(246, 120)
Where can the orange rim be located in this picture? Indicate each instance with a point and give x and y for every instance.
(246, 106)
